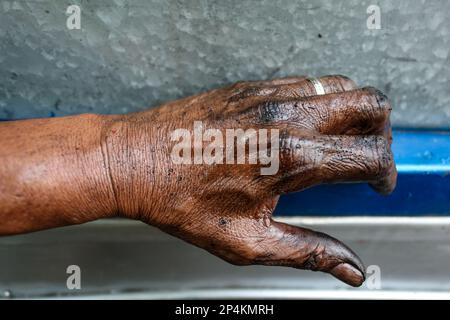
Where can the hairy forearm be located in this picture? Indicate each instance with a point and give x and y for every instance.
(53, 173)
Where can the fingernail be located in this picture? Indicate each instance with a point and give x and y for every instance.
(349, 274)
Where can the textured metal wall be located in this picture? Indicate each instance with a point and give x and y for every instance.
(129, 55)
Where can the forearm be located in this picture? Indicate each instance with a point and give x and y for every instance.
(53, 172)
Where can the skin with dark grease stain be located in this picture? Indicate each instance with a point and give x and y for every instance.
(70, 170)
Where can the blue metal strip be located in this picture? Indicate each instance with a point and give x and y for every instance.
(422, 152)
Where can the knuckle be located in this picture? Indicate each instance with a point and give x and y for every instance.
(288, 148)
(249, 92)
(315, 260)
(379, 99)
(345, 79)
(336, 83)
(384, 156)
(342, 78)
(271, 111)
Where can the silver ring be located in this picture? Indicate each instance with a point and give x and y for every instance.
(317, 85)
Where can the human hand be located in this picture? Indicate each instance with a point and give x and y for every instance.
(342, 134)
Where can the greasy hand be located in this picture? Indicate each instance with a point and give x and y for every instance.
(343, 135)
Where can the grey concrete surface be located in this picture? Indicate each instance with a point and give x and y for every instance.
(126, 258)
(130, 55)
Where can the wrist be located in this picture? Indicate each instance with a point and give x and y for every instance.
(91, 183)
(128, 148)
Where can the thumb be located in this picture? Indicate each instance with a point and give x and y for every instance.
(307, 249)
